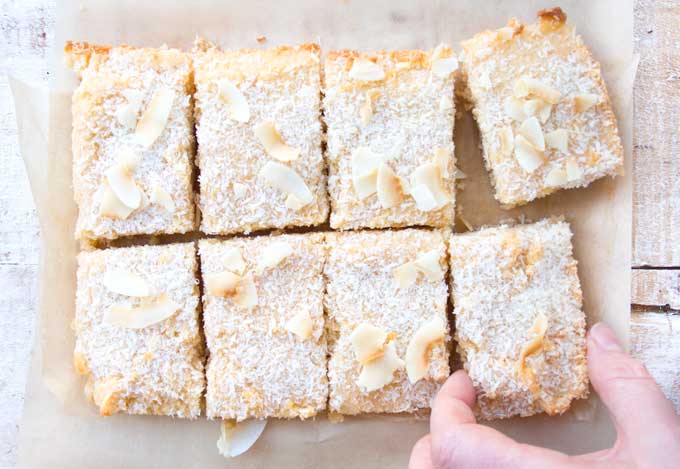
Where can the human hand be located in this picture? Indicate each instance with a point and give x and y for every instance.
(647, 425)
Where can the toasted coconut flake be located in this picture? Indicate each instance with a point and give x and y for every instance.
(283, 178)
(365, 165)
(514, 108)
(365, 70)
(366, 109)
(428, 264)
(273, 255)
(233, 261)
(532, 107)
(424, 198)
(507, 140)
(556, 177)
(123, 185)
(126, 283)
(161, 197)
(528, 157)
(364, 161)
(444, 67)
(145, 315)
(401, 66)
(527, 87)
(544, 113)
(240, 190)
(155, 117)
(388, 187)
(506, 33)
(574, 171)
(429, 175)
(234, 98)
(111, 206)
(583, 102)
(558, 139)
(367, 342)
(417, 352)
(246, 293)
(237, 438)
(531, 130)
(222, 284)
(272, 142)
(127, 113)
(380, 372)
(536, 342)
(442, 156)
(365, 185)
(440, 52)
(301, 325)
(293, 203)
(405, 275)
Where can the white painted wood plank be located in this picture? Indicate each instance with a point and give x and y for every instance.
(656, 341)
(656, 139)
(26, 29)
(656, 288)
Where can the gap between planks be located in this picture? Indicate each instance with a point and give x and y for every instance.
(656, 287)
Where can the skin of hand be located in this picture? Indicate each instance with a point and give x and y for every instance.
(647, 425)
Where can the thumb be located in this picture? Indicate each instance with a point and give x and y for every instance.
(637, 405)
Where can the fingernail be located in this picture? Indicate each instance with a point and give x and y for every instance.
(604, 338)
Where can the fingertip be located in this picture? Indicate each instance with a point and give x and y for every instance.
(459, 386)
(602, 337)
(453, 403)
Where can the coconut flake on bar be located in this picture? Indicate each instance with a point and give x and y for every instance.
(558, 139)
(235, 100)
(272, 255)
(273, 143)
(145, 315)
(126, 283)
(367, 342)
(222, 284)
(528, 157)
(161, 197)
(286, 180)
(388, 187)
(301, 325)
(119, 177)
(417, 360)
(380, 372)
(155, 117)
(365, 70)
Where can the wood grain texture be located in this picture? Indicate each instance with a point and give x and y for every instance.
(26, 28)
(656, 341)
(656, 288)
(656, 139)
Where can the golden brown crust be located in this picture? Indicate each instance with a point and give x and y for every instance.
(555, 15)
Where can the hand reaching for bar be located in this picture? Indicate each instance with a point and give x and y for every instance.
(647, 425)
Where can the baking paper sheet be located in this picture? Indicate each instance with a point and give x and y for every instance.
(60, 429)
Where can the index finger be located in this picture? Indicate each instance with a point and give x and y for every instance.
(453, 403)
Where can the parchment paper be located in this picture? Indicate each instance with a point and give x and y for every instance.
(60, 429)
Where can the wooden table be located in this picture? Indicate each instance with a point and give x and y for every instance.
(27, 30)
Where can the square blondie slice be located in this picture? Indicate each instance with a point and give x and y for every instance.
(133, 141)
(389, 118)
(386, 300)
(259, 138)
(542, 108)
(520, 327)
(264, 325)
(137, 330)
